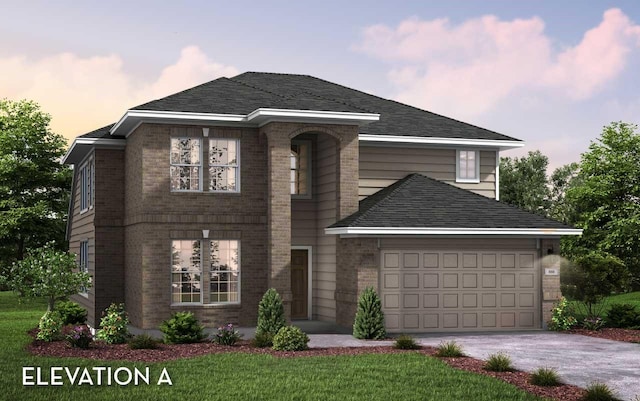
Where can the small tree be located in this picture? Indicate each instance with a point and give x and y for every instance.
(369, 322)
(594, 277)
(46, 272)
(270, 314)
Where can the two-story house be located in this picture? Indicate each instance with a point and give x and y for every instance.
(204, 199)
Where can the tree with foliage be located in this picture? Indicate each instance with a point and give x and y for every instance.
(523, 182)
(270, 314)
(34, 185)
(606, 198)
(592, 278)
(369, 322)
(561, 180)
(46, 272)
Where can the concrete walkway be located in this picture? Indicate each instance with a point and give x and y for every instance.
(578, 359)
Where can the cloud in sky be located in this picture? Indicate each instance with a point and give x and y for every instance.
(466, 70)
(82, 93)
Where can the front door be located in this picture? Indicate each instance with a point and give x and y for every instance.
(299, 283)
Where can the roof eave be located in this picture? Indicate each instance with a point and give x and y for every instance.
(397, 231)
(385, 140)
(82, 146)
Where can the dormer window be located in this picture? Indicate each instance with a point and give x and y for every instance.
(468, 166)
(300, 159)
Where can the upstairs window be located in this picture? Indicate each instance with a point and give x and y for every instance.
(86, 186)
(468, 166)
(224, 166)
(300, 159)
(186, 164)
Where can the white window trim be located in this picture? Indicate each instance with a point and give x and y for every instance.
(86, 203)
(237, 166)
(171, 271)
(309, 194)
(468, 180)
(86, 263)
(309, 250)
(201, 165)
(239, 272)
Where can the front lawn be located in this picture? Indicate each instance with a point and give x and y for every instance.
(632, 298)
(408, 376)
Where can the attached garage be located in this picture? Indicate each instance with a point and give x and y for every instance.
(460, 289)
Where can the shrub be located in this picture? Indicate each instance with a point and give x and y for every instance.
(624, 316)
(562, 317)
(270, 313)
(227, 335)
(143, 341)
(449, 349)
(79, 336)
(71, 312)
(182, 328)
(369, 322)
(594, 323)
(499, 362)
(290, 338)
(262, 340)
(545, 377)
(599, 392)
(50, 326)
(405, 342)
(113, 325)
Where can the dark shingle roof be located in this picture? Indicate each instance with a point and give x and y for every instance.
(99, 133)
(417, 201)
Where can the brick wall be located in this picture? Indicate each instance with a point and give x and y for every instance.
(550, 283)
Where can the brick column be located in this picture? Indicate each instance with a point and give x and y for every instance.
(348, 173)
(279, 211)
(550, 283)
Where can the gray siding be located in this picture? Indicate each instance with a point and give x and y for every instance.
(382, 166)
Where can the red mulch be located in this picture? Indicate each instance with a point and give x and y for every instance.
(165, 352)
(626, 335)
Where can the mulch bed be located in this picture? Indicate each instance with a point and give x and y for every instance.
(166, 352)
(626, 335)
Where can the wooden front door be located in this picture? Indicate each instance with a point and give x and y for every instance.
(299, 283)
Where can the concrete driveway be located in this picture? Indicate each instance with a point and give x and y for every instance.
(578, 359)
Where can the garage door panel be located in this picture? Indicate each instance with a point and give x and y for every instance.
(425, 290)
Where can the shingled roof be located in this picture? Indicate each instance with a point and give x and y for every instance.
(247, 92)
(417, 201)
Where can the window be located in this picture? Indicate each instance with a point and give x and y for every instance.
(83, 266)
(86, 186)
(186, 155)
(225, 271)
(468, 166)
(223, 165)
(300, 168)
(186, 277)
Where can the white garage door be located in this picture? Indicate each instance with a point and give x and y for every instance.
(424, 290)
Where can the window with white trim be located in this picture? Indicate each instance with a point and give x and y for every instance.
(224, 166)
(468, 166)
(86, 174)
(224, 285)
(83, 265)
(186, 271)
(300, 167)
(186, 164)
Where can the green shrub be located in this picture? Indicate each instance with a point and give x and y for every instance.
(262, 340)
(290, 338)
(182, 328)
(405, 342)
(113, 325)
(50, 326)
(78, 336)
(563, 317)
(594, 323)
(449, 349)
(499, 362)
(369, 322)
(599, 392)
(227, 335)
(143, 341)
(545, 377)
(71, 312)
(624, 316)
(270, 313)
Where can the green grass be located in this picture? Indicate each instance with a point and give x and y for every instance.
(632, 298)
(408, 376)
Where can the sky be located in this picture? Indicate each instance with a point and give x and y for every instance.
(551, 73)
